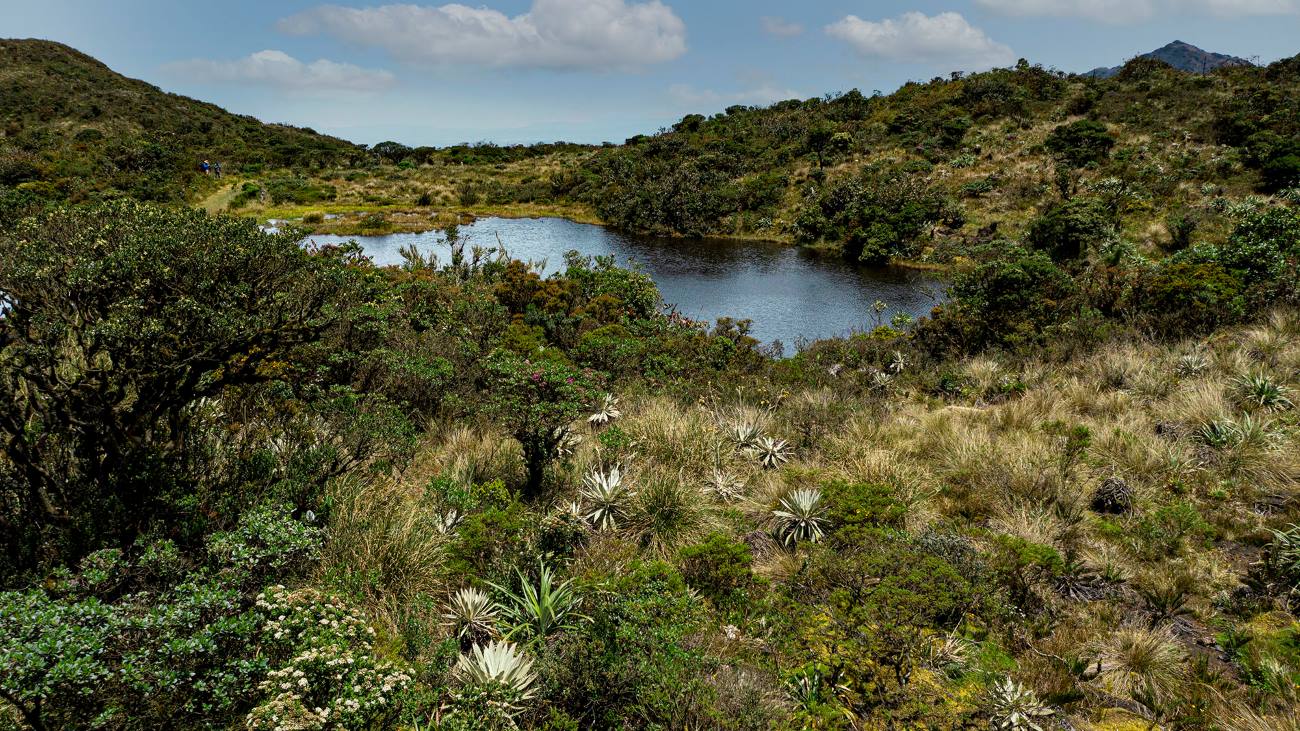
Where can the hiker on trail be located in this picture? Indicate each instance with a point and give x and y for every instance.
(205, 167)
(216, 168)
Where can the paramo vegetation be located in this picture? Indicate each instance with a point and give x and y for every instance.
(248, 484)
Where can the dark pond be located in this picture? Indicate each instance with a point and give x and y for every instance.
(790, 294)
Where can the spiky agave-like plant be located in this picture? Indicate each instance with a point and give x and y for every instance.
(499, 664)
(447, 522)
(1191, 364)
(1015, 707)
(801, 516)
(897, 363)
(1080, 582)
(537, 611)
(771, 453)
(725, 486)
(1218, 434)
(1262, 391)
(945, 652)
(1281, 557)
(606, 411)
(566, 442)
(472, 614)
(607, 496)
(880, 381)
(745, 434)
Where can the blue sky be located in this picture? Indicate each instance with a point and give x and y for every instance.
(514, 71)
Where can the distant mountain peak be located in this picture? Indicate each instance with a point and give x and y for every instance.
(1184, 57)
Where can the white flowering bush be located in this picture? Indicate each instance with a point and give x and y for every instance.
(265, 543)
(327, 676)
(148, 637)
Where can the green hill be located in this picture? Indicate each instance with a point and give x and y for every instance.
(971, 152)
(73, 128)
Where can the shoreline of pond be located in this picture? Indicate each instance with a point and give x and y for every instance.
(789, 293)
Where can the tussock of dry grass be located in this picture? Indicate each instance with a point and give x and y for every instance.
(384, 544)
(468, 454)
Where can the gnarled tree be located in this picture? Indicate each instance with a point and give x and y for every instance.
(115, 321)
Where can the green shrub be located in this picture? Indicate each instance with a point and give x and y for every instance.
(1167, 531)
(1007, 300)
(1067, 230)
(719, 568)
(374, 221)
(877, 215)
(1281, 173)
(298, 190)
(154, 309)
(634, 663)
(533, 400)
(264, 546)
(248, 192)
(488, 542)
(152, 640)
(1185, 297)
(468, 193)
(1080, 143)
(859, 512)
(868, 611)
(1262, 248)
(1182, 225)
(1020, 565)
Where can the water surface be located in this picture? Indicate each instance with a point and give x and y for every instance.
(790, 294)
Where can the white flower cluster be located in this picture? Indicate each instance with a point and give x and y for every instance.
(306, 616)
(330, 678)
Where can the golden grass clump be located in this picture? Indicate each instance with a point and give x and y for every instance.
(1141, 664)
(385, 544)
(468, 454)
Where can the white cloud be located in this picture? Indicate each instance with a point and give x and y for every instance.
(1129, 11)
(687, 95)
(1241, 7)
(562, 34)
(279, 69)
(945, 39)
(780, 27)
(1106, 11)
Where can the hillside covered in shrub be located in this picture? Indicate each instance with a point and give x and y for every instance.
(1153, 146)
(74, 129)
(248, 484)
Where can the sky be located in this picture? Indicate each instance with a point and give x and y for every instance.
(523, 71)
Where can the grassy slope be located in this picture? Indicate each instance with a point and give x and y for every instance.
(86, 126)
(1164, 124)
(971, 463)
(93, 130)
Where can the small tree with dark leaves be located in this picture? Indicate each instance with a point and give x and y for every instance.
(532, 400)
